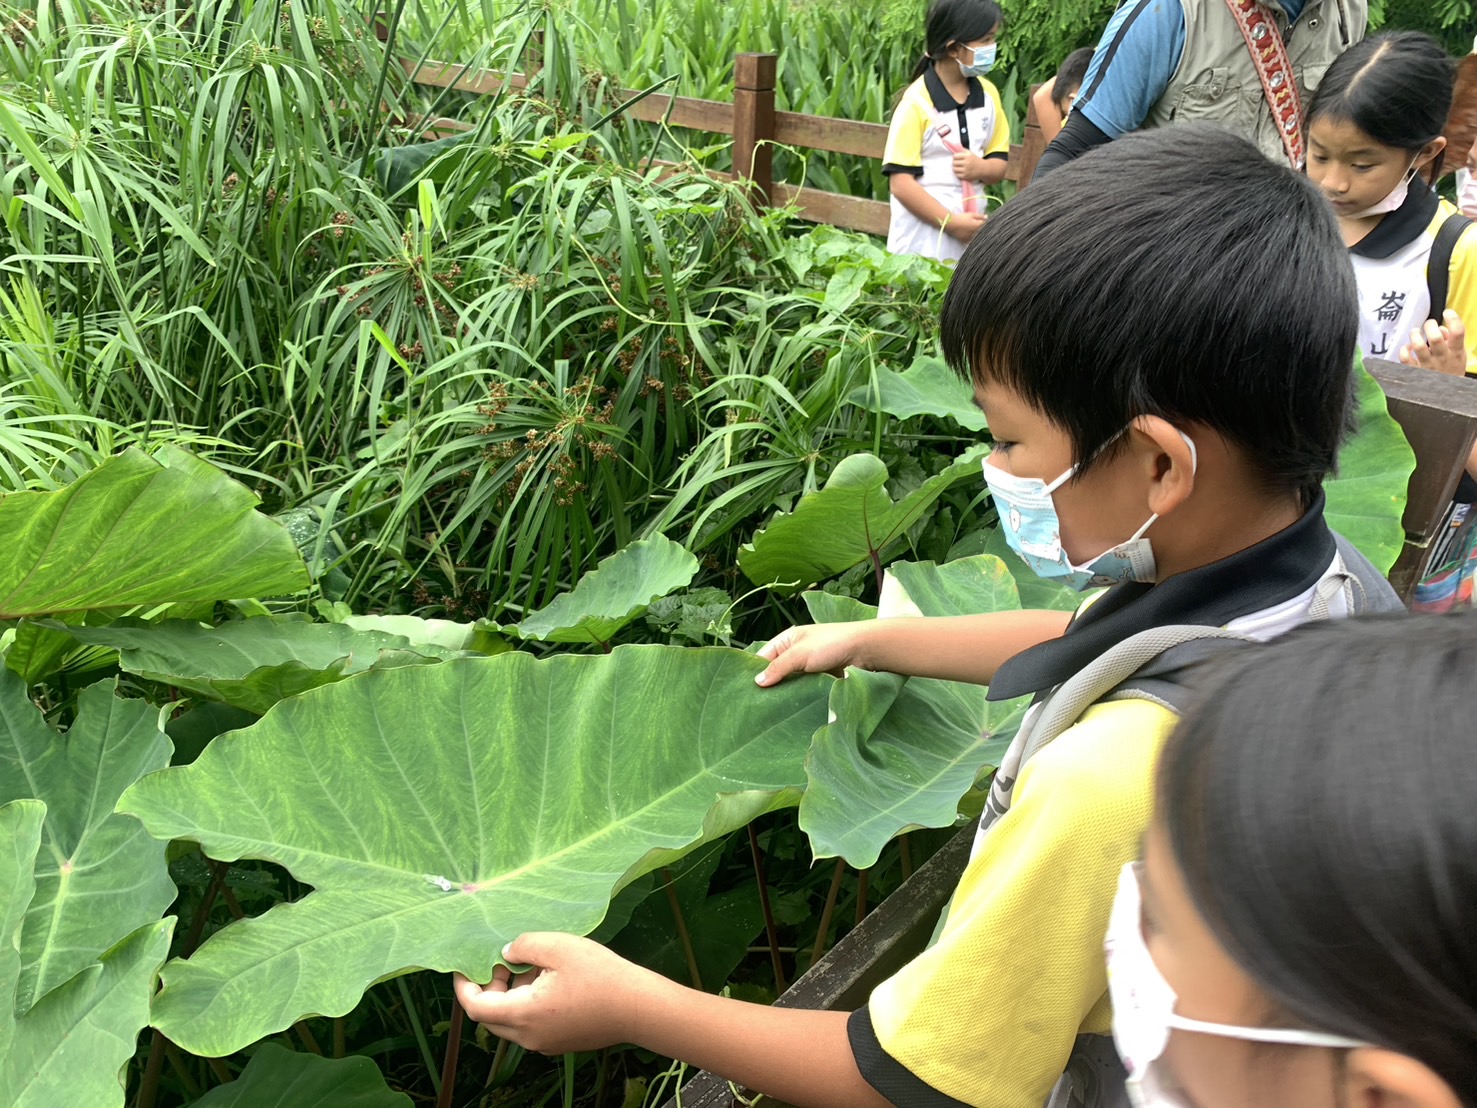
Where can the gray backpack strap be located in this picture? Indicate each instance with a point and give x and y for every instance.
(1106, 677)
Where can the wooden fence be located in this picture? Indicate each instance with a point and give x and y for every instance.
(756, 128)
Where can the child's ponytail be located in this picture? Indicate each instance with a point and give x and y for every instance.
(1395, 87)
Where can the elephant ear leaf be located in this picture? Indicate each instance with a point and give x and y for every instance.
(439, 811)
(897, 752)
(284, 1078)
(141, 530)
(99, 875)
(72, 1045)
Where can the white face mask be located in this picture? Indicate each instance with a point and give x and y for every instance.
(1143, 1007)
(1393, 202)
(1466, 197)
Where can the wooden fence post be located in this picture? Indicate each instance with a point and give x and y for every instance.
(1033, 142)
(753, 123)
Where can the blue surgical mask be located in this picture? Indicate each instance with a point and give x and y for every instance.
(982, 60)
(1028, 518)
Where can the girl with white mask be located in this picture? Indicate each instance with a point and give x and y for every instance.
(1374, 142)
(1302, 929)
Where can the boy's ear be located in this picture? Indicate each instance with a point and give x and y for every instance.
(1171, 462)
(1375, 1078)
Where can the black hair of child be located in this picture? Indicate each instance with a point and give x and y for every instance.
(1395, 87)
(955, 21)
(1318, 801)
(1070, 76)
(1175, 272)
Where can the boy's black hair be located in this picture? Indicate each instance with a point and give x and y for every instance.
(1318, 801)
(951, 21)
(1070, 76)
(1177, 273)
(1396, 88)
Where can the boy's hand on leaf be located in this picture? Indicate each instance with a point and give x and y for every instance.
(577, 996)
(1438, 347)
(964, 225)
(814, 648)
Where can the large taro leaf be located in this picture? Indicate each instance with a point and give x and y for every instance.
(254, 663)
(1367, 498)
(99, 876)
(280, 1078)
(71, 1047)
(613, 594)
(927, 387)
(843, 523)
(140, 530)
(479, 637)
(439, 811)
(899, 752)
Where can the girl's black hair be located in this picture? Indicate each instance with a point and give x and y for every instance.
(951, 21)
(1321, 802)
(1395, 87)
(1070, 76)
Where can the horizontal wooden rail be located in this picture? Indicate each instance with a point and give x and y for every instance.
(755, 127)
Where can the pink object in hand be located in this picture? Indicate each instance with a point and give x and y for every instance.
(971, 198)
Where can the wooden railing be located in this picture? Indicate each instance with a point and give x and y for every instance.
(756, 128)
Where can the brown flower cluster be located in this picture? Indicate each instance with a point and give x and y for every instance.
(20, 27)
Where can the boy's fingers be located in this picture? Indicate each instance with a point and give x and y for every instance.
(535, 948)
(1455, 326)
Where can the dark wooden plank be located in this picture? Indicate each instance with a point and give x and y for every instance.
(1439, 416)
(698, 115)
(840, 136)
(753, 123)
(1033, 144)
(877, 948)
(851, 212)
(483, 82)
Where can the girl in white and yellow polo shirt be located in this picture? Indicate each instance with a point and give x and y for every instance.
(949, 137)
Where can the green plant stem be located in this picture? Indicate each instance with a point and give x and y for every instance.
(148, 1089)
(682, 933)
(340, 1043)
(905, 854)
(771, 932)
(177, 1063)
(420, 1034)
(828, 911)
(861, 895)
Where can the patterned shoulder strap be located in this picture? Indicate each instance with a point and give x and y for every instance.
(1274, 68)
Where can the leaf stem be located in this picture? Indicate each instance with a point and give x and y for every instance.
(420, 1034)
(453, 1050)
(682, 933)
(770, 930)
(827, 912)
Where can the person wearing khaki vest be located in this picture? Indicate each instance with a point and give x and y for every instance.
(1170, 61)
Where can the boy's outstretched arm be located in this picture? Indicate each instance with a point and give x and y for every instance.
(581, 996)
(952, 648)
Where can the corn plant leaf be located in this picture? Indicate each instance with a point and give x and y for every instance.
(898, 752)
(843, 523)
(438, 811)
(99, 875)
(280, 1078)
(1367, 498)
(927, 387)
(71, 1047)
(141, 530)
(613, 594)
(254, 663)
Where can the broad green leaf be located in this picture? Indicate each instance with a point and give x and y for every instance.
(898, 753)
(478, 637)
(99, 876)
(613, 594)
(927, 387)
(254, 663)
(843, 523)
(280, 1078)
(1367, 498)
(72, 1046)
(439, 811)
(140, 530)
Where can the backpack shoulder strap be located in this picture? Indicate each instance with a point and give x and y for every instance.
(1113, 672)
(1438, 269)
